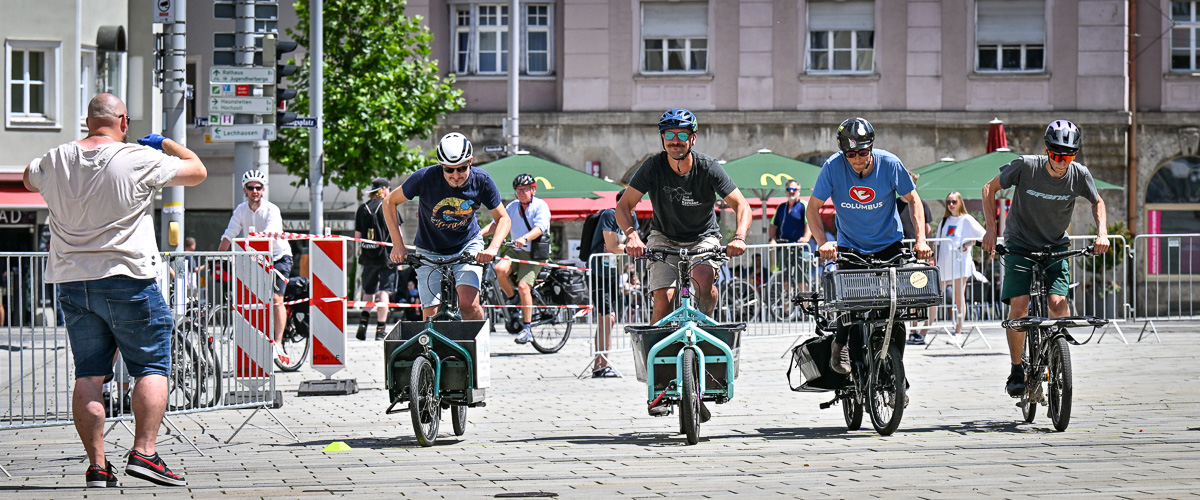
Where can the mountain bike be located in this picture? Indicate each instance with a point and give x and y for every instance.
(1047, 354)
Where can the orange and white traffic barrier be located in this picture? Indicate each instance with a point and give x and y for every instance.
(253, 287)
(327, 261)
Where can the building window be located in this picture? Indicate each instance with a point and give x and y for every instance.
(674, 37)
(481, 38)
(1010, 36)
(31, 77)
(1173, 207)
(1185, 20)
(841, 37)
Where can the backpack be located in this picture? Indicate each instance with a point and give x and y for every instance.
(569, 286)
(588, 238)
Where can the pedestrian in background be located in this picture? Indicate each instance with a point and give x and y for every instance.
(100, 192)
(959, 229)
(378, 275)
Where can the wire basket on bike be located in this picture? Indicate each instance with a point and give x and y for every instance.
(863, 289)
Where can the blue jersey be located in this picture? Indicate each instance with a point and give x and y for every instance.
(866, 207)
(446, 218)
(789, 223)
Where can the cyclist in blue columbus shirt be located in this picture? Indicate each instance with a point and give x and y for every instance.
(449, 194)
(864, 183)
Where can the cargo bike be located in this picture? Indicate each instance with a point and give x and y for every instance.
(875, 302)
(440, 363)
(686, 358)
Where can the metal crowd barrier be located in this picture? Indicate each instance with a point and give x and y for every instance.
(209, 369)
(1165, 288)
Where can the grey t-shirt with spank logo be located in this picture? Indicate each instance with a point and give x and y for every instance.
(683, 204)
(1042, 205)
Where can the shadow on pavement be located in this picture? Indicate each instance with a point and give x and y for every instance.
(643, 439)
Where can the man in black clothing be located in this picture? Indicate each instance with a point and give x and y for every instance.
(378, 277)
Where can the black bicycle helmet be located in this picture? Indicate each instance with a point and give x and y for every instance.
(854, 134)
(1063, 137)
(454, 149)
(677, 118)
(523, 180)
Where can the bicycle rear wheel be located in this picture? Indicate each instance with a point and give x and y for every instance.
(689, 397)
(458, 417)
(1060, 386)
(424, 404)
(184, 381)
(885, 393)
(738, 302)
(296, 342)
(852, 410)
(551, 327)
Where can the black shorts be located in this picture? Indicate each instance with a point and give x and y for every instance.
(283, 267)
(378, 278)
(605, 285)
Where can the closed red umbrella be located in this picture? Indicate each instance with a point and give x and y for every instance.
(996, 139)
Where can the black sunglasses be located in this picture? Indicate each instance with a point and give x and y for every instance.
(452, 170)
(856, 153)
(254, 188)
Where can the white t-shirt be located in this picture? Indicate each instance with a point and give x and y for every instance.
(267, 219)
(101, 205)
(538, 213)
(952, 261)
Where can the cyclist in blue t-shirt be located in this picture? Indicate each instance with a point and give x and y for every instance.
(449, 194)
(864, 183)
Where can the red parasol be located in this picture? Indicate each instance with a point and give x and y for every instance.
(996, 139)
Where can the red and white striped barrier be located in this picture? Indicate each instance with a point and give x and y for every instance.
(252, 325)
(327, 263)
(546, 264)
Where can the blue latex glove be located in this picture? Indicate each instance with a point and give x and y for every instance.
(153, 140)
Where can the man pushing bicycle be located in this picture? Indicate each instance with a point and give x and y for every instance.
(864, 183)
(449, 194)
(1043, 201)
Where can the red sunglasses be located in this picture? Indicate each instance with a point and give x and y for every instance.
(1060, 157)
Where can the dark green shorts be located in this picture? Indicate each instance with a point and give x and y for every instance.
(1018, 274)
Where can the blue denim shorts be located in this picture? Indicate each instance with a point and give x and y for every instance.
(283, 268)
(117, 312)
(429, 281)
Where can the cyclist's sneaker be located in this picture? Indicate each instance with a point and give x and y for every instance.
(1016, 383)
(153, 469)
(915, 339)
(839, 359)
(380, 331)
(102, 477)
(284, 359)
(525, 337)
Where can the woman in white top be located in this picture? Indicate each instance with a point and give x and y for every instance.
(959, 230)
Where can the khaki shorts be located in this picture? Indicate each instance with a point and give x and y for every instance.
(524, 273)
(663, 275)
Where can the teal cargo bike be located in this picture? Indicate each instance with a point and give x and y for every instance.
(440, 363)
(686, 358)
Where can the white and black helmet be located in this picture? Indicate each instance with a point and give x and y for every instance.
(454, 149)
(1063, 137)
(254, 176)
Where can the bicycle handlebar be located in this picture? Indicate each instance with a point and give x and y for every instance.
(685, 253)
(905, 256)
(418, 260)
(1046, 255)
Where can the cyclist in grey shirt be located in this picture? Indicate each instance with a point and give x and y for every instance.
(1043, 200)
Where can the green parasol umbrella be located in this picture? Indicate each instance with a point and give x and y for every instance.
(554, 180)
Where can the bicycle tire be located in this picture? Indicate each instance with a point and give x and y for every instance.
(886, 391)
(551, 327)
(1032, 361)
(296, 342)
(458, 416)
(424, 405)
(852, 410)
(689, 397)
(184, 381)
(738, 301)
(209, 393)
(1058, 407)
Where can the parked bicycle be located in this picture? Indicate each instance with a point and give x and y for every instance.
(551, 324)
(434, 365)
(737, 299)
(704, 354)
(875, 302)
(796, 275)
(1047, 354)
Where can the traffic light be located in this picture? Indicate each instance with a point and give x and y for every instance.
(272, 49)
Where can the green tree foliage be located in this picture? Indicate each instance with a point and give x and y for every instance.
(382, 90)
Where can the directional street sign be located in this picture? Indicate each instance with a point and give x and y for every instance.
(243, 133)
(201, 121)
(242, 74)
(302, 122)
(244, 105)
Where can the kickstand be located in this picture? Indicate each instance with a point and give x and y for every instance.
(825, 406)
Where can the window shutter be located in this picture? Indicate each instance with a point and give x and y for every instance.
(841, 16)
(1010, 22)
(675, 20)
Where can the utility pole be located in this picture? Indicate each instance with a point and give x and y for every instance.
(174, 90)
(514, 77)
(316, 138)
(244, 158)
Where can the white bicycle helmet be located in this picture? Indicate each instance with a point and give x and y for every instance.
(254, 176)
(454, 149)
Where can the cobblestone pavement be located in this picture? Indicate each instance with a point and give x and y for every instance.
(1134, 433)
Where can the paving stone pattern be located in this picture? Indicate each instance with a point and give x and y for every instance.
(1134, 433)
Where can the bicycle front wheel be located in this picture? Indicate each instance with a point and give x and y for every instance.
(885, 393)
(458, 417)
(852, 410)
(1033, 376)
(551, 326)
(1059, 405)
(296, 342)
(184, 381)
(689, 397)
(424, 404)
